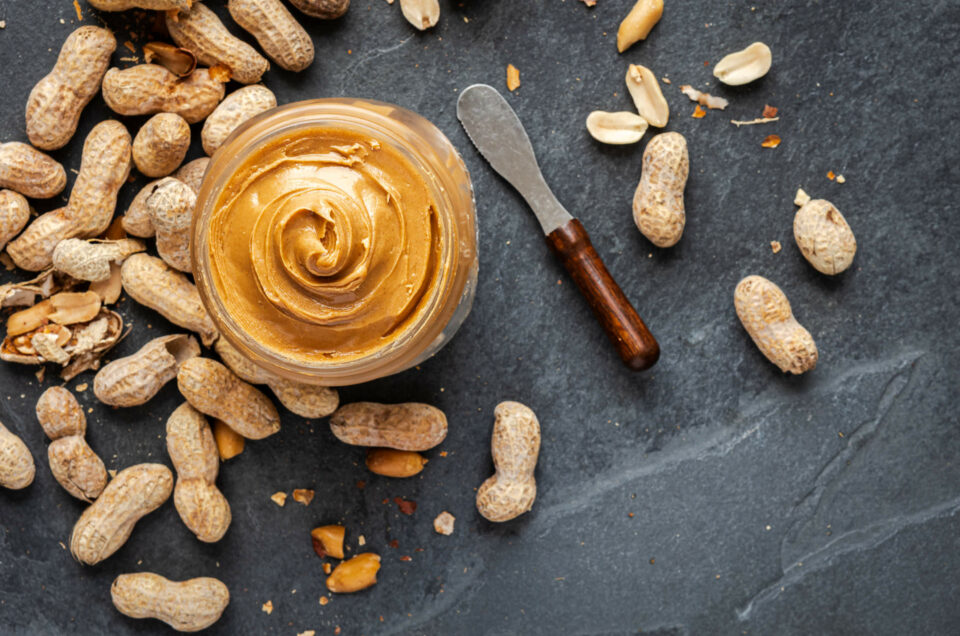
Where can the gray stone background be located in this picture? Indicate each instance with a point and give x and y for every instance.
(761, 504)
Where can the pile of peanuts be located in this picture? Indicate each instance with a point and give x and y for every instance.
(83, 245)
(822, 234)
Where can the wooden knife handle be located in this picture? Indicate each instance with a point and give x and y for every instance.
(636, 345)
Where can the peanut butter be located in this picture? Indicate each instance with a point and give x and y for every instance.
(325, 244)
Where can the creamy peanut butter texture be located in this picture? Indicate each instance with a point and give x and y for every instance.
(325, 244)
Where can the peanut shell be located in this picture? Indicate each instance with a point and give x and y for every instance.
(201, 31)
(658, 209)
(276, 30)
(236, 108)
(410, 426)
(33, 174)
(765, 313)
(135, 379)
(147, 89)
(186, 606)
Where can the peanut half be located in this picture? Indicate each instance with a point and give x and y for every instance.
(354, 575)
(617, 128)
(30, 172)
(104, 167)
(658, 208)
(236, 108)
(186, 606)
(645, 90)
(201, 31)
(744, 66)
(229, 442)
(213, 389)
(161, 144)
(16, 463)
(824, 237)
(147, 89)
(639, 22)
(324, 9)
(154, 284)
(73, 463)
(410, 426)
(306, 400)
(135, 379)
(515, 445)
(55, 103)
(422, 14)
(391, 462)
(170, 207)
(765, 312)
(91, 259)
(106, 525)
(14, 214)
(193, 451)
(178, 61)
(152, 5)
(278, 32)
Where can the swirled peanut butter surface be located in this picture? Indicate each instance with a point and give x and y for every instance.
(325, 245)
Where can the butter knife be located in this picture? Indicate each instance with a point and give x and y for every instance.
(496, 131)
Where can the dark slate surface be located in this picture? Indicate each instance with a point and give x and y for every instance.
(761, 503)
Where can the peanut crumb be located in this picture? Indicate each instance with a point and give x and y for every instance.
(112, 472)
(751, 122)
(279, 498)
(324, 600)
(309, 632)
(82, 387)
(801, 198)
(3, 24)
(513, 78)
(775, 247)
(327, 568)
(841, 179)
(665, 80)
(406, 557)
(698, 113)
(769, 111)
(361, 540)
(303, 495)
(267, 607)
(770, 141)
(76, 7)
(61, 545)
(443, 453)
(589, 3)
(130, 45)
(444, 522)
(830, 175)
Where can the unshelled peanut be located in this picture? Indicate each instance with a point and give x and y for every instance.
(328, 540)
(14, 214)
(55, 103)
(306, 400)
(744, 66)
(410, 426)
(147, 89)
(515, 446)
(276, 30)
(73, 463)
(355, 574)
(422, 14)
(16, 463)
(33, 174)
(213, 389)
(186, 606)
(104, 167)
(391, 462)
(91, 259)
(107, 523)
(201, 31)
(236, 108)
(765, 313)
(192, 173)
(151, 5)
(639, 22)
(154, 284)
(324, 9)
(170, 207)
(161, 144)
(193, 451)
(135, 379)
(658, 209)
(824, 237)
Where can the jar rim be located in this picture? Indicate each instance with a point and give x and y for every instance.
(421, 143)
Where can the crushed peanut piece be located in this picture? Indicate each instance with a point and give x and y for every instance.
(771, 141)
(801, 198)
(303, 496)
(327, 568)
(406, 506)
(324, 600)
(589, 3)
(513, 78)
(112, 472)
(665, 80)
(406, 557)
(361, 540)
(309, 632)
(769, 111)
(279, 498)
(443, 524)
(704, 99)
(130, 45)
(831, 176)
(80, 388)
(698, 113)
(775, 247)
(841, 179)
(267, 607)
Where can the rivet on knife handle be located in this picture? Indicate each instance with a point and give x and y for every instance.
(636, 345)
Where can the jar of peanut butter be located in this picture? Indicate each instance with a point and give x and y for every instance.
(335, 240)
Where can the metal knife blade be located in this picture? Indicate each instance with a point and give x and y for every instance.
(496, 131)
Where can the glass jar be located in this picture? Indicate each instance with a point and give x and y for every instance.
(440, 310)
